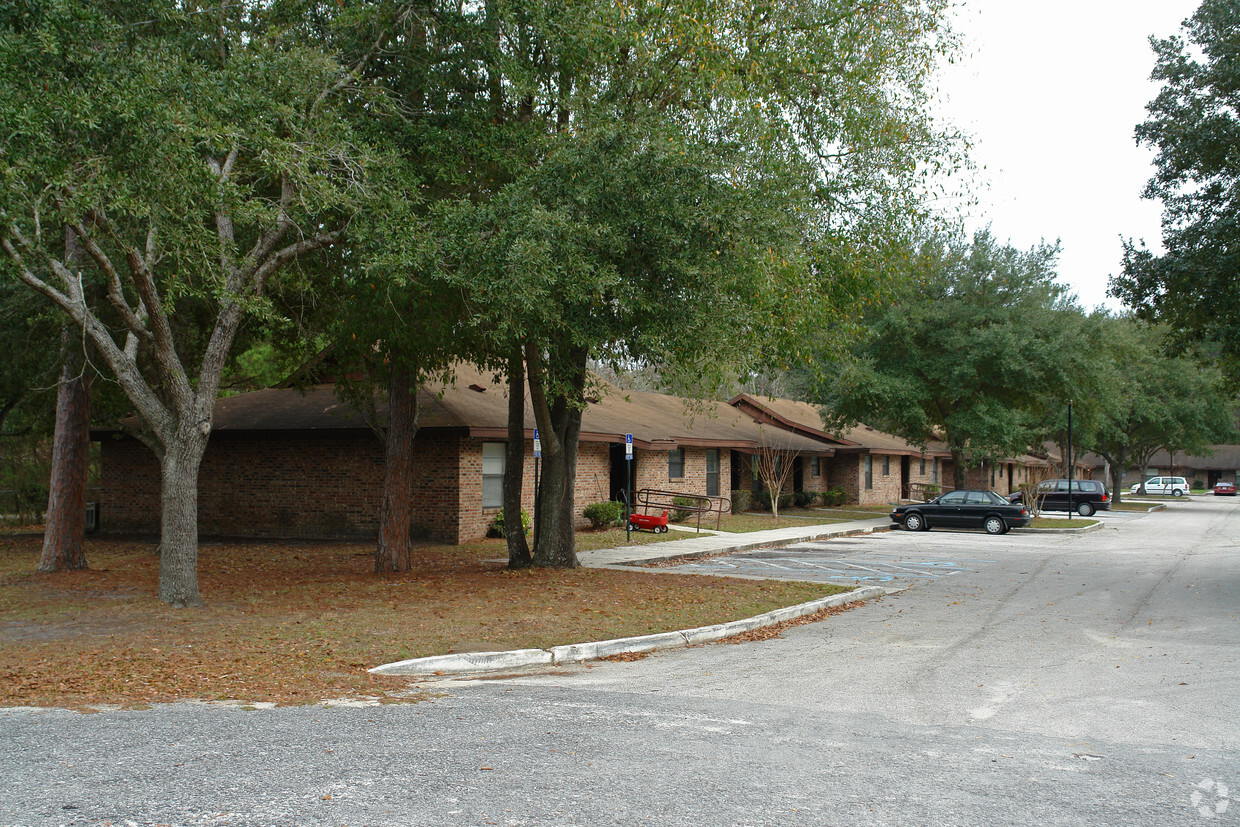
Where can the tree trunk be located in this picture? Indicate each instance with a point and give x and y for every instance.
(554, 520)
(959, 472)
(178, 561)
(1115, 463)
(64, 536)
(394, 513)
(555, 538)
(514, 467)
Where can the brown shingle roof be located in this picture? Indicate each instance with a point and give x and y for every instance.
(807, 418)
(655, 420)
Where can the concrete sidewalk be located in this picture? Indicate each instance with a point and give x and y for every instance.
(626, 557)
(700, 545)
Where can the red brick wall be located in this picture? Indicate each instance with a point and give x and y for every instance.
(651, 470)
(592, 484)
(283, 485)
(844, 471)
(129, 492)
(329, 485)
(847, 471)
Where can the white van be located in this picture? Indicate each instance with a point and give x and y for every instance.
(1175, 486)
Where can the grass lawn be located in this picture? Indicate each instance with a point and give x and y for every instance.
(299, 622)
(1062, 522)
(788, 517)
(1131, 506)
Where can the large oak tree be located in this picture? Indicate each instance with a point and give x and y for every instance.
(1194, 124)
(194, 154)
(969, 349)
(690, 185)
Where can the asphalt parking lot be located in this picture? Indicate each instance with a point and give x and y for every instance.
(881, 559)
(895, 559)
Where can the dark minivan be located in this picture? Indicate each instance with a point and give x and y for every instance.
(1088, 496)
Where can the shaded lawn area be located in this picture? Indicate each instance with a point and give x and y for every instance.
(750, 521)
(1062, 522)
(301, 622)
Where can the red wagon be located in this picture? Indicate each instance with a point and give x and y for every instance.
(649, 522)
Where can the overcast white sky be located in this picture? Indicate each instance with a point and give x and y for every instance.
(1051, 92)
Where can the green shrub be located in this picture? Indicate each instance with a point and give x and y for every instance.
(740, 500)
(682, 514)
(763, 500)
(496, 528)
(803, 498)
(834, 497)
(602, 515)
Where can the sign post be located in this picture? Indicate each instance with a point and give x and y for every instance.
(628, 486)
(537, 456)
(1069, 459)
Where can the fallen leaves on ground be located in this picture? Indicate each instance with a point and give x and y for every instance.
(295, 623)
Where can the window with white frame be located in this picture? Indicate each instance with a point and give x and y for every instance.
(676, 463)
(493, 456)
(712, 472)
(869, 472)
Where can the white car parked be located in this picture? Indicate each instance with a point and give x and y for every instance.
(1175, 486)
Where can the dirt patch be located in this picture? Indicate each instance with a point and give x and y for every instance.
(299, 623)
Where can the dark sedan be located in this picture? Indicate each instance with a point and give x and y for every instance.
(963, 509)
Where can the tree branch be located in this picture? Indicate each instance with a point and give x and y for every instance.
(115, 293)
(126, 369)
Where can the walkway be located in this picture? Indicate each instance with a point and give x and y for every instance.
(704, 544)
(627, 556)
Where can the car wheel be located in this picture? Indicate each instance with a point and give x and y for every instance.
(914, 522)
(1085, 510)
(995, 525)
(1177, 493)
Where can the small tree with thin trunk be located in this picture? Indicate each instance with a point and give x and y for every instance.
(1033, 494)
(773, 463)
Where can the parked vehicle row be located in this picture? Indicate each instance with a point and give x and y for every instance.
(963, 509)
(997, 514)
(1085, 496)
(1163, 486)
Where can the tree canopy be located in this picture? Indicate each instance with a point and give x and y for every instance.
(1194, 124)
(1148, 400)
(194, 154)
(700, 186)
(969, 351)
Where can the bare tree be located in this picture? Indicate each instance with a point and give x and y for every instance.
(773, 464)
(1032, 491)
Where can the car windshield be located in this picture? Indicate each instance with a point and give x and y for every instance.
(996, 498)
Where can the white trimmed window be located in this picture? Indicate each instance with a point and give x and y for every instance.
(493, 456)
(676, 463)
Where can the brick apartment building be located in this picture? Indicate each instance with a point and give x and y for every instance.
(295, 463)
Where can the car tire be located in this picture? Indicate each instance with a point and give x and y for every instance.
(915, 522)
(1177, 493)
(1085, 510)
(995, 525)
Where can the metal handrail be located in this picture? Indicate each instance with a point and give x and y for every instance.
(648, 498)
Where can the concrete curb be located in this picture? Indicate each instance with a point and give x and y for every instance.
(467, 662)
(735, 548)
(1098, 526)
